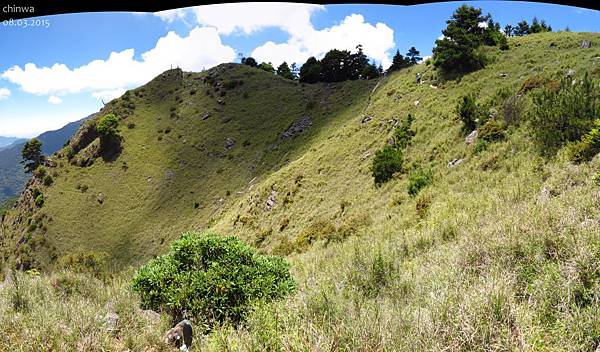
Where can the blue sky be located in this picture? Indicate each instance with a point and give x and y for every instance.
(55, 75)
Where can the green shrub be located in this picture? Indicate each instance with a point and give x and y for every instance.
(417, 180)
(480, 146)
(40, 171)
(469, 112)
(94, 263)
(107, 125)
(386, 162)
(559, 117)
(48, 180)
(403, 134)
(586, 148)
(211, 278)
(493, 130)
(39, 200)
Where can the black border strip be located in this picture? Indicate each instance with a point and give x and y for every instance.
(53, 7)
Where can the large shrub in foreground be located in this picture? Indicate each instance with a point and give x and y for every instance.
(211, 278)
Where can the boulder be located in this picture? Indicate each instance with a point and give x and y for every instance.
(454, 162)
(585, 44)
(180, 335)
(366, 119)
(297, 127)
(205, 116)
(470, 139)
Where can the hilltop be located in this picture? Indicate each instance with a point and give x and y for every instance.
(496, 250)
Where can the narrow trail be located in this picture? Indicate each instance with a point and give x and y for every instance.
(372, 92)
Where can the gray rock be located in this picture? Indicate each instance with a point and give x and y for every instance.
(297, 128)
(366, 119)
(585, 44)
(205, 116)
(229, 143)
(100, 198)
(149, 315)
(169, 174)
(570, 73)
(470, 139)
(454, 162)
(271, 200)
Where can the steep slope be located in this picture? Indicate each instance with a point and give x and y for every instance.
(498, 253)
(191, 144)
(7, 141)
(12, 175)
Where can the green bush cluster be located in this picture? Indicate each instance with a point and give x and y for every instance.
(404, 134)
(90, 262)
(586, 148)
(417, 180)
(107, 125)
(211, 278)
(386, 163)
(469, 112)
(561, 116)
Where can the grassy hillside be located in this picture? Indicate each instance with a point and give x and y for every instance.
(12, 175)
(192, 143)
(499, 252)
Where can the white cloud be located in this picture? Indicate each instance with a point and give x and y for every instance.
(425, 58)
(171, 15)
(201, 48)
(377, 41)
(294, 19)
(53, 99)
(4, 93)
(108, 95)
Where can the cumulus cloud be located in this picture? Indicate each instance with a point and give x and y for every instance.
(4, 93)
(294, 19)
(108, 95)
(53, 99)
(201, 48)
(377, 41)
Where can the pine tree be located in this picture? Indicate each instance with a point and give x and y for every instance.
(310, 72)
(32, 155)
(284, 71)
(412, 56)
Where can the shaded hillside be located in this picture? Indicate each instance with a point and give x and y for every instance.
(7, 141)
(12, 175)
(191, 144)
(481, 246)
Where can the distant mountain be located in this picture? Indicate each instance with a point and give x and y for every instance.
(12, 176)
(6, 142)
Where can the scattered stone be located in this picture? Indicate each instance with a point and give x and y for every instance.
(391, 141)
(180, 336)
(111, 319)
(570, 73)
(149, 315)
(432, 86)
(221, 101)
(271, 200)
(544, 195)
(585, 44)
(229, 143)
(149, 179)
(366, 156)
(492, 113)
(503, 75)
(416, 103)
(297, 127)
(366, 119)
(470, 139)
(225, 119)
(454, 162)
(168, 174)
(101, 198)
(206, 116)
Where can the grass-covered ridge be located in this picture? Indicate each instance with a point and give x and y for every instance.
(188, 145)
(499, 251)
